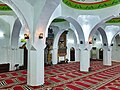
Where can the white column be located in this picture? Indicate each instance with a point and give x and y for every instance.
(35, 67)
(85, 60)
(54, 56)
(77, 54)
(68, 54)
(35, 70)
(107, 57)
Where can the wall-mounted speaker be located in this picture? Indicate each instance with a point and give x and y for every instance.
(94, 39)
(118, 44)
(81, 42)
(90, 42)
(104, 44)
(111, 45)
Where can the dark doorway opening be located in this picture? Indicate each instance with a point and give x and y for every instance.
(25, 58)
(101, 53)
(72, 54)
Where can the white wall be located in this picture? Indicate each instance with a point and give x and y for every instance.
(116, 51)
(12, 56)
(27, 11)
(8, 55)
(105, 12)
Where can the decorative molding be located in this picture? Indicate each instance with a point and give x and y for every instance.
(114, 20)
(5, 7)
(91, 6)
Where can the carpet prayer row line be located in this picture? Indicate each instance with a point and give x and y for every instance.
(67, 77)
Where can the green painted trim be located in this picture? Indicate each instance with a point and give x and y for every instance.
(58, 20)
(4, 7)
(90, 6)
(115, 20)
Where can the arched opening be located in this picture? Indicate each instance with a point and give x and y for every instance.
(49, 46)
(115, 46)
(64, 35)
(25, 57)
(72, 54)
(62, 49)
(94, 53)
(101, 54)
(14, 22)
(72, 29)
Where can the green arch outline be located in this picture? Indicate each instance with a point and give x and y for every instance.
(90, 6)
(114, 20)
(4, 7)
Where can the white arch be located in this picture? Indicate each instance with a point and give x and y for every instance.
(114, 37)
(104, 36)
(56, 13)
(78, 29)
(55, 47)
(55, 42)
(15, 33)
(47, 14)
(19, 14)
(16, 10)
(99, 24)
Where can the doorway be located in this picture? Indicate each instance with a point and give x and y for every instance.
(25, 58)
(72, 54)
(101, 53)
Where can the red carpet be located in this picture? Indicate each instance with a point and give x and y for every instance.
(67, 77)
(73, 87)
(90, 81)
(63, 77)
(54, 79)
(72, 76)
(82, 84)
(18, 87)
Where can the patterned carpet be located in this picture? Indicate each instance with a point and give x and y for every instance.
(67, 77)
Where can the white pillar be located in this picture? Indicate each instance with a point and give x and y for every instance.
(68, 54)
(107, 57)
(77, 54)
(55, 56)
(35, 67)
(85, 60)
(35, 70)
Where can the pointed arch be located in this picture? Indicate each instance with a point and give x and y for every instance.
(21, 17)
(99, 24)
(56, 40)
(56, 13)
(15, 33)
(78, 29)
(114, 37)
(104, 36)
